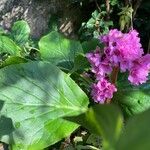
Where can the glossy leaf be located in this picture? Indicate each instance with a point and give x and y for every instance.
(8, 46)
(136, 134)
(59, 50)
(34, 98)
(132, 99)
(103, 120)
(20, 32)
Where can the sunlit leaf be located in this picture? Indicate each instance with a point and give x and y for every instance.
(34, 98)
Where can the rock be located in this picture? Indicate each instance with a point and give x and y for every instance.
(1, 147)
(36, 13)
(39, 13)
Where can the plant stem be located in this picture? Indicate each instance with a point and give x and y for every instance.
(108, 8)
(108, 101)
(131, 19)
(136, 6)
(97, 6)
(114, 75)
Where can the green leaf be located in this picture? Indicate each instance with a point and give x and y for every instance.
(108, 23)
(136, 134)
(91, 23)
(122, 23)
(95, 14)
(96, 34)
(34, 98)
(132, 99)
(12, 60)
(113, 2)
(2, 31)
(21, 32)
(59, 50)
(80, 63)
(8, 46)
(94, 140)
(90, 45)
(103, 120)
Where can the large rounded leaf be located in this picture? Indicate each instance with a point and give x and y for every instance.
(34, 98)
(132, 99)
(59, 50)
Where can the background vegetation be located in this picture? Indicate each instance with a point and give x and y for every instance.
(45, 100)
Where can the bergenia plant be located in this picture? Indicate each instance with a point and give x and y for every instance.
(122, 52)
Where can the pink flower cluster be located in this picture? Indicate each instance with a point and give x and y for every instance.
(102, 90)
(140, 68)
(122, 50)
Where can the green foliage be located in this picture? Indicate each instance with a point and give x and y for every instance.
(80, 63)
(136, 134)
(44, 94)
(32, 117)
(106, 121)
(96, 25)
(10, 52)
(20, 32)
(99, 121)
(91, 45)
(2, 31)
(8, 46)
(12, 60)
(114, 2)
(17, 42)
(59, 50)
(94, 140)
(125, 17)
(38, 101)
(132, 99)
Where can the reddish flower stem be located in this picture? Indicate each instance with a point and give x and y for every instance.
(114, 77)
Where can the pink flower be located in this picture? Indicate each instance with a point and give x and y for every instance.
(94, 57)
(111, 37)
(121, 49)
(102, 91)
(129, 46)
(100, 66)
(140, 70)
(104, 68)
